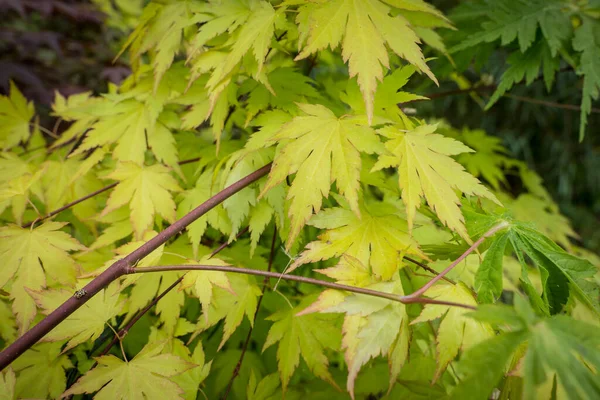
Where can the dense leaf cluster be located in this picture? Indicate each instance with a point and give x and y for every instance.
(419, 220)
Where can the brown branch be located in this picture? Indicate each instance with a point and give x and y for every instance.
(311, 281)
(120, 268)
(238, 366)
(552, 104)
(125, 330)
(89, 196)
(427, 268)
(464, 255)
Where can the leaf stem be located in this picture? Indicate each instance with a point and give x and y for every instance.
(464, 255)
(427, 268)
(120, 268)
(303, 279)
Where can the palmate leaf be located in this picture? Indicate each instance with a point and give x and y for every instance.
(510, 20)
(231, 307)
(147, 190)
(320, 149)
(20, 181)
(457, 331)
(145, 376)
(376, 239)
(7, 384)
(426, 169)
(372, 327)
(15, 117)
(31, 258)
(88, 322)
(366, 27)
(587, 41)
(41, 372)
(307, 335)
(558, 346)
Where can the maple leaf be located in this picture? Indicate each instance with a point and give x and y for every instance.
(366, 27)
(320, 149)
(587, 41)
(32, 258)
(15, 117)
(7, 384)
(41, 372)
(426, 170)
(19, 182)
(88, 322)
(133, 126)
(145, 376)
(307, 335)
(232, 307)
(457, 331)
(203, 282)
(8, 330)
(372, 327)
(519, 19)
(251, 26)
(376, 239)
(146, 189)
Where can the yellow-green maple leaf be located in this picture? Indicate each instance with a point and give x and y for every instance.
(32, 258)
(456, 331)
(15, 117)
(87, 322)
(376, 239)
(366, 26)
(146, 189)
(201, 283)
(19, 180)
(372, 327)
(144, 377)
(307, 335)
(426, 169)
(232, 307)
(41, 372)
(7, 384)
(320, 149)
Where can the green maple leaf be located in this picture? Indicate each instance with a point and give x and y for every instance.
(145, 376)
(7, 384)
(41, 372)
(201, 283)
(306, 335)
(146, 189)
(31, 259)
(457, 331)
(8, 330)
(372, 327)
(320, 149)
(376, 239)
(558, 346)
(366, 27)
(128, 123)
(19, 182)
(88, 322)
(251, 26)
(231, 307)
(587, 41)
(161, 28)
(426, 169)
(263, 390)
(511, 20)
(15, 117)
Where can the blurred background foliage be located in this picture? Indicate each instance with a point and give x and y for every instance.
(70, 46)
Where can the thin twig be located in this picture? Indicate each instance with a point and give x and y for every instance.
(238, 366)
(276, 275)
(123, 332)
(120, 268)
(552, 104)
(427, 268)
(89, 196)
(464, 255)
